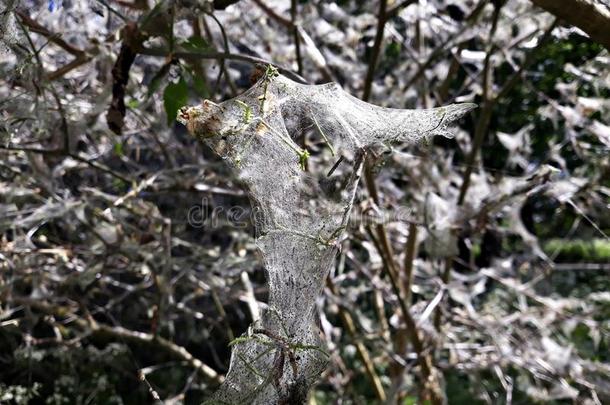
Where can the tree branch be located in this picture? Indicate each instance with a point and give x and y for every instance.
(588, 15)
(121, 333)
(489, 102)
(369, 367)
(52, 37)
(223, 55)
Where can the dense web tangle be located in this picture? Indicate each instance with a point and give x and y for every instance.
(9, 35)
(302, 210)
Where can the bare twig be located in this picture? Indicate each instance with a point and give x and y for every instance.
(223, 67)
(273, 14)
(361, 349)
(54, 38)
(223, 55)
(430, 388)
(401, 339)
(122, 333)
(391, 13)
(411, 252)
(75, 63)
(61, 152)
(295, 35)
(447, 43)
(370, 74)
(490, 101)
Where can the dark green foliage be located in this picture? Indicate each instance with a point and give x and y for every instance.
(573, 251)
(175, 96)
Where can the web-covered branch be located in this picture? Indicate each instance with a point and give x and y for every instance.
(302, 210)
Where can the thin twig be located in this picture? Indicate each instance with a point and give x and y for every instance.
(120, 332)
(73, 64)
(393, 12)
(346, 317)
(445, 277)
(54, 38)
(223, 67)
(431, 388)
(273, 14)
(489, 103)
(370, 74)
(114, 11)
(447, 43)
(295, 35)
(224, 55)
(61, 152)
(361, 349)
(400, 340)
(410, 254)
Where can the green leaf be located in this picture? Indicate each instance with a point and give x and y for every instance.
(133, 104)
(175, 96)
(392, 51)
(119, 185)
(409, 401)
(118, 148)
(155, 82)
(196, 44)
(200, 86)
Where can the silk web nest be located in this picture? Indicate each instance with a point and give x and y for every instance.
(301, 206)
